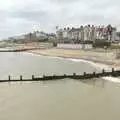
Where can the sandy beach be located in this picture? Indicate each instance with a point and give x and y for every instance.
(107, 58)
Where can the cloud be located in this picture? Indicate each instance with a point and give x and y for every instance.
(19, 16)
(30, 15)
(64, 1)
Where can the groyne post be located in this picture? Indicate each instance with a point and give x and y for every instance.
(94, 80)
(113, 70)
(103, 71)
(84, 74)
(54, 76)
(94, 73)
(20, 77)
(9, 77)
(74, 74)
(33, 77)
(64, 75)
(44, 77)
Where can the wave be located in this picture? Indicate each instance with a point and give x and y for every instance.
(97, 65)
(100, 66)
(112, 79)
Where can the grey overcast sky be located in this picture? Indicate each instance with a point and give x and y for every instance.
(21, 16)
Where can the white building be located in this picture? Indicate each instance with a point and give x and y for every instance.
(59, 34)
(87, 33)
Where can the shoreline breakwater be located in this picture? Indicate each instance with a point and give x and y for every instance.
(113, 73)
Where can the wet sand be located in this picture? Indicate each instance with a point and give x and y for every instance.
(107, 58)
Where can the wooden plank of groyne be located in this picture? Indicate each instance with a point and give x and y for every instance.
(74, 76)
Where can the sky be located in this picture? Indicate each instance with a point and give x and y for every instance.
(23, 16)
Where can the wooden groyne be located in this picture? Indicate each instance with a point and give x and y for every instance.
(73, 76)
(18, 50)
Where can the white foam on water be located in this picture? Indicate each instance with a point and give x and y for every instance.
(30, 53)
(97, 65)
(112, 79)
(100, 66)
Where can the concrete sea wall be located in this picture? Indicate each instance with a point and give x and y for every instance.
(74, 46)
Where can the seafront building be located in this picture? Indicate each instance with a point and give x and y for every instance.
(86, 33)
(36, 36)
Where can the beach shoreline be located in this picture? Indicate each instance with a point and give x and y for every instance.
(98, 64)
(76, 54)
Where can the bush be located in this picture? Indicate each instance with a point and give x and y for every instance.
(101, 44)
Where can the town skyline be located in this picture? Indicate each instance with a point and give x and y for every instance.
(37, 28)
